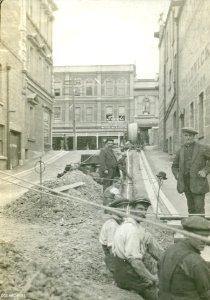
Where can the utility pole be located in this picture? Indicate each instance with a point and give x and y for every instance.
(8, 68)
(74, 118)
(72, 87)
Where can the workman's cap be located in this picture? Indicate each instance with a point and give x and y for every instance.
(119, 202)
(128, 143)
(196, 224)
(190, 130)
(143, 200)
(162, 175)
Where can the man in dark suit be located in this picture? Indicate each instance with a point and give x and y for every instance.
(183, 274)
(108, 164)
(190, 168)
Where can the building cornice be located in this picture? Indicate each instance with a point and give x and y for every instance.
(38, 87)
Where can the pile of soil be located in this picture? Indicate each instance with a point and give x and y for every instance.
(60, 246)
(34, 207)
(12, 272)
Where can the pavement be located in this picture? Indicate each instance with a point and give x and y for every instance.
(161, 161)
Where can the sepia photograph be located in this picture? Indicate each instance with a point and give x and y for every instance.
(105, 149)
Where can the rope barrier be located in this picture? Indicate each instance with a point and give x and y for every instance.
(114, 210)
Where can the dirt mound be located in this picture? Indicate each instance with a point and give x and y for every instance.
(12, 272)
(48, 208)
(60, 245)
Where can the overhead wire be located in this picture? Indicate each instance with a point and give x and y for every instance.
(61, 195)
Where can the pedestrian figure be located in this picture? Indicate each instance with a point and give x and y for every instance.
(108, 230)
(130, 245)
(108, 164)
(190, 168)
(183, 274)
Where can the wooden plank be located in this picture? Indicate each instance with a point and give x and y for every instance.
(68, 186)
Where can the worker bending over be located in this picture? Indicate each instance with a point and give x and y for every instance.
(131, 242)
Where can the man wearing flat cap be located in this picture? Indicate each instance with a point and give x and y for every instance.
(130, 244)
(108, 230)
(190, 168)
(183, 274)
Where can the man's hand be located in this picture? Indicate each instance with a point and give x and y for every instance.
(202, 174)
(106, 172)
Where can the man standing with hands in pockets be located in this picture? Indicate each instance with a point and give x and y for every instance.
(108, 164)
(190, 168)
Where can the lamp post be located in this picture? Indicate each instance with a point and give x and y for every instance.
(74, 119)
(72, 85)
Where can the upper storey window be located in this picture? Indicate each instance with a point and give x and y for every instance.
(109, 87)
(89, 87)
(121, 87)
(57, 92)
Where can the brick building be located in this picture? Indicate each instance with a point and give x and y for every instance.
(102, 104)
(184, 74)
(25, 79)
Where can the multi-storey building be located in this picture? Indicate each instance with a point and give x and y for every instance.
(91, 104)
(25, 80)
(184, 75)
(146, 108)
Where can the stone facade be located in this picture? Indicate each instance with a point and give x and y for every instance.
(146, 108)
(26, 80)
(184, 77)
(102, 104)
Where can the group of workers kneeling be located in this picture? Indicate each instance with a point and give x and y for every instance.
(180, 272)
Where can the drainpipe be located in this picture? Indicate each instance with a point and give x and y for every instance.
(164, 111)
(180, 4)
(177, 84)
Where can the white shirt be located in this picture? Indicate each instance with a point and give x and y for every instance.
(107, 231)
(131, 241)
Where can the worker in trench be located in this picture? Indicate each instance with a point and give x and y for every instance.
(130, 244)
(122, 165)
(113, 192)
(108, 230)
(183, 274)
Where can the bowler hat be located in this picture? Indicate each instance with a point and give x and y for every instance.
(190, 130)
(119, 202)
(143, 200)
(162, 175)
(196, 224)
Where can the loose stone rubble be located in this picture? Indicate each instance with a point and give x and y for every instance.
(59, 244)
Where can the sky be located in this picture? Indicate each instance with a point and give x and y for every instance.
(100, 32)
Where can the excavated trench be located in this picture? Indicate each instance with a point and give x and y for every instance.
(49, 247)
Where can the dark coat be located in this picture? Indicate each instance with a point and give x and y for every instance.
(107, 161)
(200, 161)
(183, 274)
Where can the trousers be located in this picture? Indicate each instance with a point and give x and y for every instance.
(126, 278)
(195, 202)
